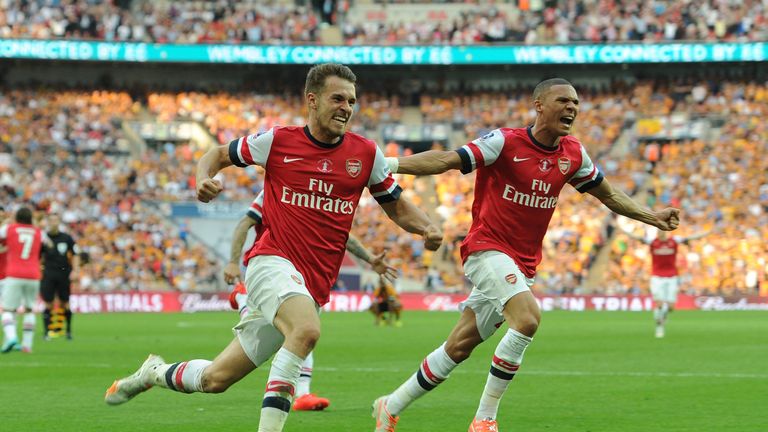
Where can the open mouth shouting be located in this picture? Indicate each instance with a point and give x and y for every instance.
(567, 121)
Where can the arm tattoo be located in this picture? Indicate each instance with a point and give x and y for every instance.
(358, 250)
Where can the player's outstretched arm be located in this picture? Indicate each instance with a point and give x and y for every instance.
(631, 235)
(426, 163)
(697, 236)
(232, 269)
(616, 200)
(410, 218)
(213, 161)
(377, 262)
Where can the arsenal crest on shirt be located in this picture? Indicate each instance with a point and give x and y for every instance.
(564, 164)
(511, 278)
(354, 167)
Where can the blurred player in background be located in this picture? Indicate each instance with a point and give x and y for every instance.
(3, 255)
(665, 281)
(305, 400)
(386, 301)
(520, 173)
(313, 183)
(24, 242)
(61, 261)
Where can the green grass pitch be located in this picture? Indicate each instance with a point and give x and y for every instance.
(585, 372)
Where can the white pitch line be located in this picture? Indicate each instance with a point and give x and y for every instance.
(569, 373)
(193, 324)
(457, 371)
(55, 365)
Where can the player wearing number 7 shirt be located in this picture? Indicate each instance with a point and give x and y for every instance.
(314, 178)
(23, 243)
(520, 173)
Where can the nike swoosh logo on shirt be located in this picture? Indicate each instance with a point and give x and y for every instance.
(516, 159)
(289, 160)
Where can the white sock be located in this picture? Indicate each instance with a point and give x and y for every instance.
(434, 370)
(242, 305)
(305, 376)
(9, 326)
(506, 361)
(281, 386)
(28, 330)
(184, 377)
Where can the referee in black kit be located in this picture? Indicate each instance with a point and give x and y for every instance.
(58, 265)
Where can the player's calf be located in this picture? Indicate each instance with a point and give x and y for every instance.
(217, 379)
(281, 389)
(506, 361)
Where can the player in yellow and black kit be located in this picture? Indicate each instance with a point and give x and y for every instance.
(60, 260)
(386, 300)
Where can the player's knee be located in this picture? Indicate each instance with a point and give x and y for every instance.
(527, 324)
(307, 336)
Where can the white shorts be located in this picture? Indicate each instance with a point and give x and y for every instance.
(664, 289)
(496, 279)
(269, 280)
(19, 292)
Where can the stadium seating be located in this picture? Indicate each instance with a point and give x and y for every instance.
(456, 23)
(83, 130)
(719, 186)
(71, 158)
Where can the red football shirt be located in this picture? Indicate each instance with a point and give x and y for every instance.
(255, 212)
(23, 243)
(2, 261)
(517, 186)
(664, 257)
(311, 192)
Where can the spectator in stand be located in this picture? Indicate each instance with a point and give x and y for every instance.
(58, 138)
(732, 260)
(231, 21)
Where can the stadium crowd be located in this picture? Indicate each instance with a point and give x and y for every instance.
(72, 159)
(68, 157)
(720, 185)
(231, 115)
(256, 22)
(159, 22)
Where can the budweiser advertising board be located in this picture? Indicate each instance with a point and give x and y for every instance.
(356, 302)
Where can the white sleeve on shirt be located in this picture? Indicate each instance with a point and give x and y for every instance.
(251, 149)
(482, 151)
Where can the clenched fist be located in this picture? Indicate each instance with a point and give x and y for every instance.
(433, 237)
(231, 273)
(208, 189)
(668, 219)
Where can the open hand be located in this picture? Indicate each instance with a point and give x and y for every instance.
(382, 267)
